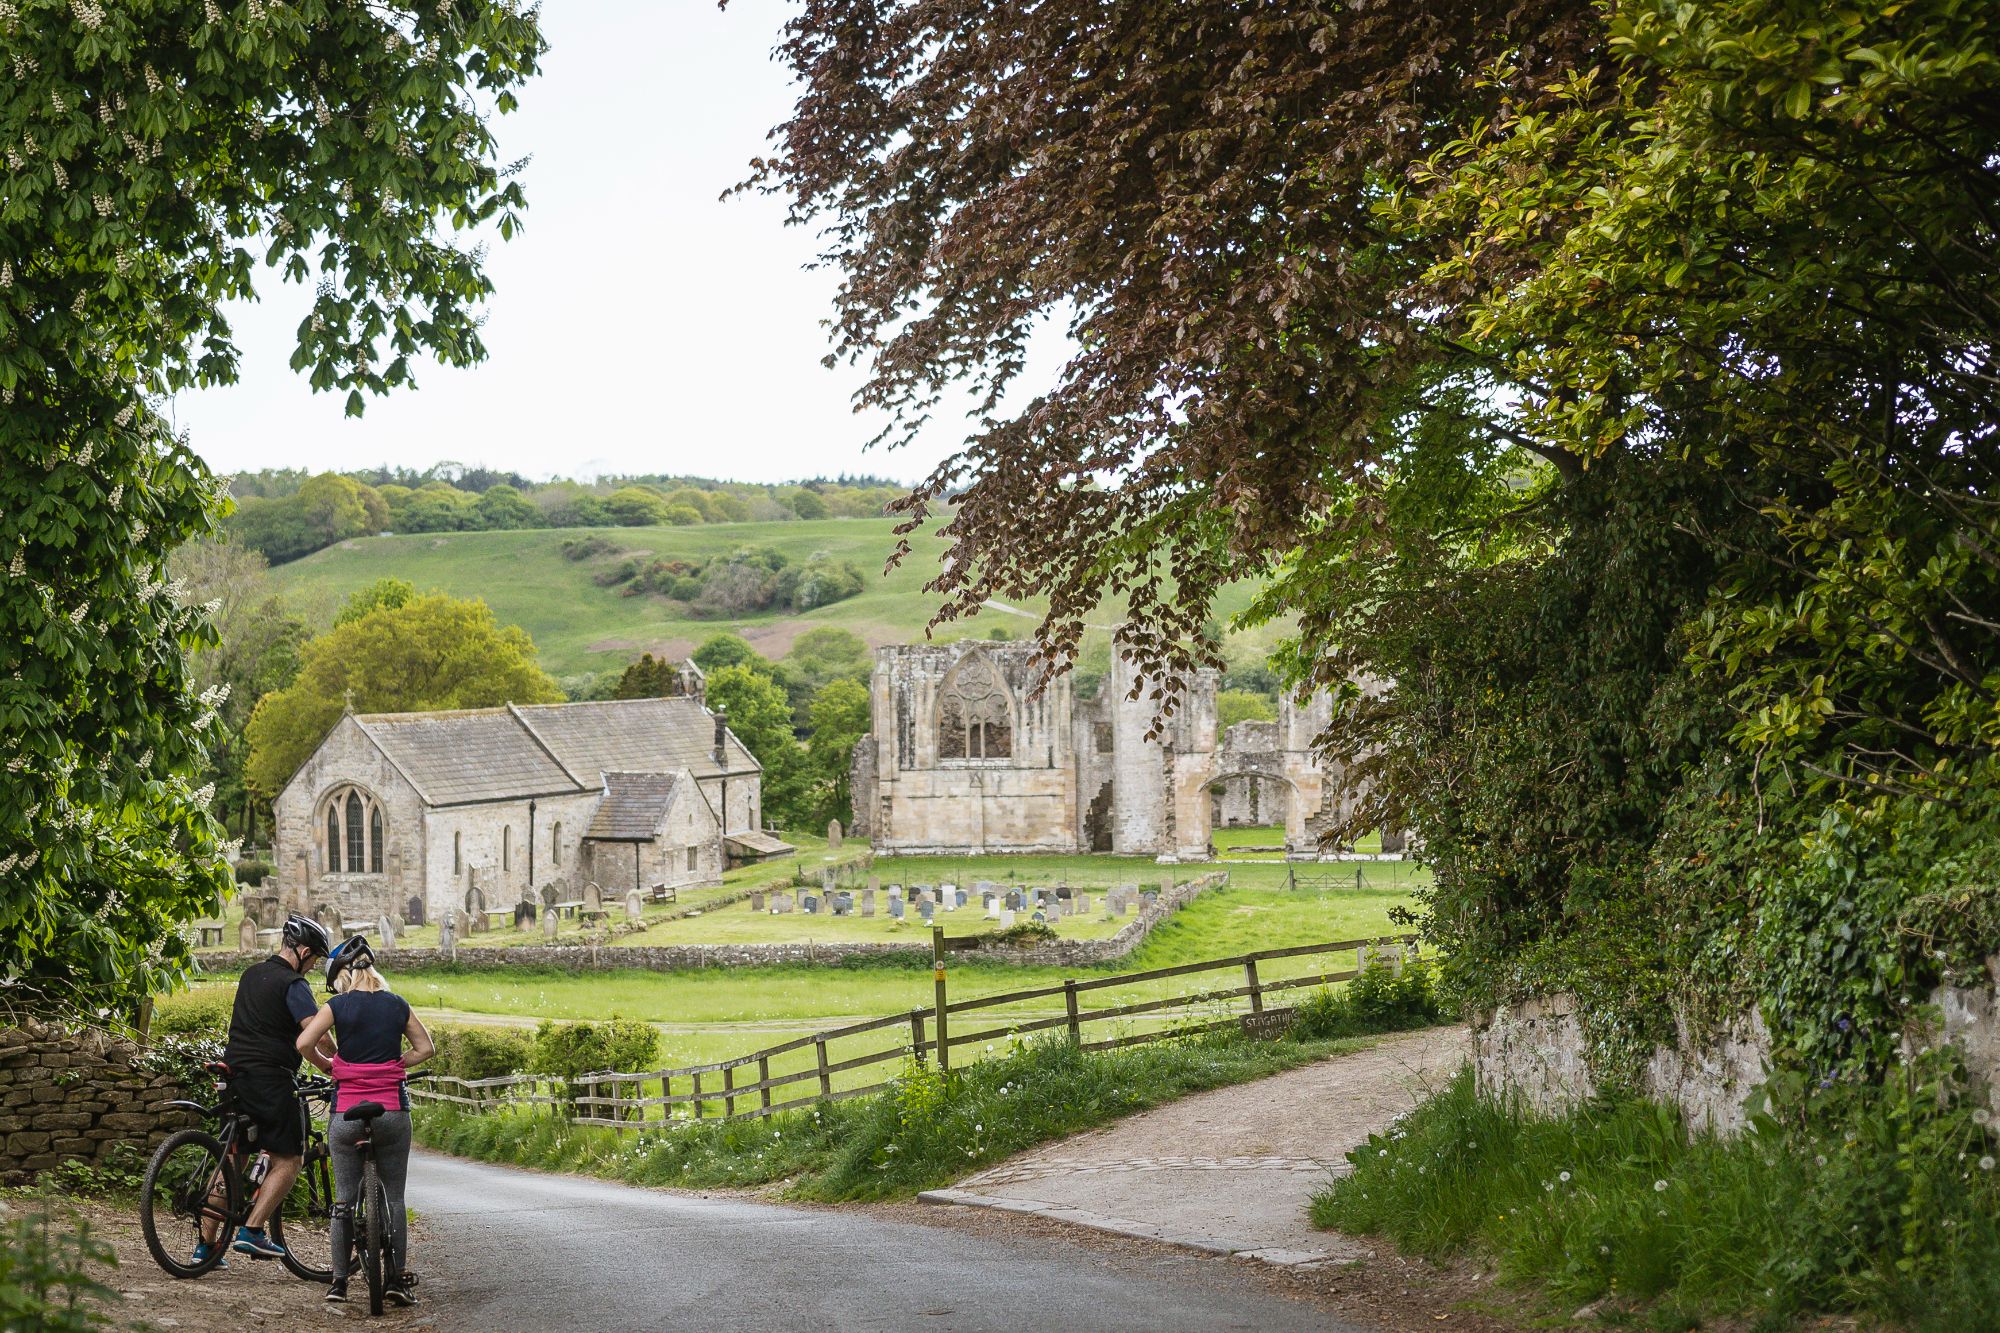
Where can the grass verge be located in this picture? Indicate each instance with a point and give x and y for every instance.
(929, 1128)
(1885, 1205)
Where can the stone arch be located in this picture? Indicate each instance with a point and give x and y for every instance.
(975, 711)
(352, 828)
(1196, 831)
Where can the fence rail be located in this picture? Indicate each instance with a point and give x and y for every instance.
(625, 1101)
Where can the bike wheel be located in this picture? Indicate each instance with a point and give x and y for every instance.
(178, 1195)
(304, 1226)
(374, 1237)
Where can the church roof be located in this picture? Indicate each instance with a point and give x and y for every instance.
(632, 735)
(633, 806)
(466, 755)
(463, 756)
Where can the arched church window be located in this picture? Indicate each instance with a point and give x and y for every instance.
(506, 847)
(975, 713)
(457, 854)
(357, 833)
(555, 844)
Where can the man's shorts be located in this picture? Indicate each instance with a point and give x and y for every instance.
(271, 1100)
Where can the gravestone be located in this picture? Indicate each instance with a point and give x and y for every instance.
(1039, 916)
(756, 900)
(833, 833)
(1054, 908)
(1006, 919)
(828, 877)
(868, 901)
(895, 890)
(524, 914)
(843, 903)
(593, 899)
(874, 883)
(1013, 900)
(448, 930)
(328, 917)
(246, 935)
(475, 922)
(963, 897)
(926, 908)
(385, 931)
(896, 906)
(415, 916)
(812, 904)
(551, 923)
(635, 906)
(992, 909)
(475, 901)
(551, 894)
(1083, 904)
(781, 903)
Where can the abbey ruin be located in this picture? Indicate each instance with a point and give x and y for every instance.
(965, 755)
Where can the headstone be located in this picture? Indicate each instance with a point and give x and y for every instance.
(551, 923)
(593, 899)
(833, 832)
(1013, 900)
(246, 936)
(524, 914)
(385, 931)
(551, 893)
(635, 906)
(895, 890)
(329, 917)
(448, 930)
(896, 907)
(926, 908)
(476, 923)
(1054, 908)
(812, 904)
(475, 901)
(756, 900)
(1083, 904)
(1006, 920)
(828, 877)
(415, 916)
(868, 901)
(874, 883)
(962, 897)
(992, 909)
(781, 903)
(1039, 916)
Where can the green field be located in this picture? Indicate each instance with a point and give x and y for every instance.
(579, 626)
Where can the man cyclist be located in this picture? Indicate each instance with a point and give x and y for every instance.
(273, 1002)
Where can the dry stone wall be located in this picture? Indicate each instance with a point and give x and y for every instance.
(67, 1095)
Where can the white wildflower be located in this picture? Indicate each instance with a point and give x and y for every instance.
(1986, 1163)
(1659, 1187)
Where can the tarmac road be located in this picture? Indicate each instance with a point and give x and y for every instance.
(511, 1250)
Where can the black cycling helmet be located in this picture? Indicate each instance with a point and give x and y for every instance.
(353, 952)
(303, 931)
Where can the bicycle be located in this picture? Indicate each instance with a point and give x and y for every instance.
(370, 1234)
(195, 1183)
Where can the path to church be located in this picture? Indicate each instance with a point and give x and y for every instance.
(1230, 1171)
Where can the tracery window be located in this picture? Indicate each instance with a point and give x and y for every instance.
(975, 713)
(356, 833)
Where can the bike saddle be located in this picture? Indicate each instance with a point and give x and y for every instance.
(363, 1111)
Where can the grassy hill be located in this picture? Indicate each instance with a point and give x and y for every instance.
(579, 626)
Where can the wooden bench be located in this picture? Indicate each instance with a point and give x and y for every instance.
(665, 894)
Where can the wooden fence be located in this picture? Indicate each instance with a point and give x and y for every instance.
(720, 1090)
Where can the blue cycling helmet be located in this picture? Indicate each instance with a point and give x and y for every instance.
(352, 952)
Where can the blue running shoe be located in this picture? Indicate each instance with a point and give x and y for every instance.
(253, 1242)
(202, 1250)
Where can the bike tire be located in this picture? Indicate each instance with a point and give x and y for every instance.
(308, 1240)
(173, 1200)
(373, 1232)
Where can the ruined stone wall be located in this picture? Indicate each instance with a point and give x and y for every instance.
(75, 1095)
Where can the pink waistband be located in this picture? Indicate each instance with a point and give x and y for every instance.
(369, 1083)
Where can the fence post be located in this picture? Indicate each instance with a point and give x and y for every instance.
(1256, 991)
(917, 1034)
(825, 1079)
(764, 1077)
(937, 972)
(728, 1092)
(1069, 1001)
(696, 1076)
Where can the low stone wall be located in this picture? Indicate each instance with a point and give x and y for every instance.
(687, 957)
(1536, 1050)
(75, 1095)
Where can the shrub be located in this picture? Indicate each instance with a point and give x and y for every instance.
(585, 548)
(196, 1013)
(254, 873)
(119, 1172)
(567, 1050)
(482, 1052)
(1379, 1000)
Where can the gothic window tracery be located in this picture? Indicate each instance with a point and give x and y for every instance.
(975, 713)
(356, 833)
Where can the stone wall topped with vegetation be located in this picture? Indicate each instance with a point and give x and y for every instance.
(69, 1095)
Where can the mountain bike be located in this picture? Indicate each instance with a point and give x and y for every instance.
(371, 1209)
(198, 1187)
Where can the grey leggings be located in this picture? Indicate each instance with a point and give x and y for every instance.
(392, 1163)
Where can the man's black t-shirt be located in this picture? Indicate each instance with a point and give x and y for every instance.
(272, 1001)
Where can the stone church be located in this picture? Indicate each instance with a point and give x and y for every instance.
(405, 814)
(965, 756)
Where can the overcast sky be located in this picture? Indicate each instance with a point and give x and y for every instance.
(639, 324)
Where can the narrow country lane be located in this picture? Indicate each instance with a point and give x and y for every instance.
(516, 1250)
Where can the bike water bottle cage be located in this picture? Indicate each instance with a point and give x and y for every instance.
(352, 952)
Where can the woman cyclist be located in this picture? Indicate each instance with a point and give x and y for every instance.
(369, 1023)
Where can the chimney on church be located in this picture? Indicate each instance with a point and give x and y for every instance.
(721, 729)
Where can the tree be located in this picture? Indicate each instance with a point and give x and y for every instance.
(830, 653)
(761, 717)
(636, 507)
(335, 508)
(502, 507)
(722, 650)
(726, 508)
(839, 715)
(1233, 706)
(157, 156)
(806, 504)
(384, 594)
(648, 678)
(432, 652)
